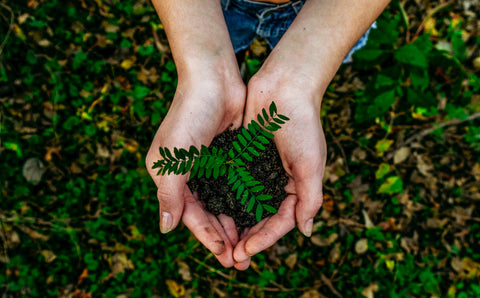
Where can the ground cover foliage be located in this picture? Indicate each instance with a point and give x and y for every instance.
(84, 85)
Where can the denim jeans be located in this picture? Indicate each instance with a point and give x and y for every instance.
(247, 20)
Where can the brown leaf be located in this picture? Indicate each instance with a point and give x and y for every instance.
(33, 170)
(184, 271)
(291, 260)
(369, 291)
(311, 294)
(33, 234)
(361, 246)
(334, 255)
(48, 255)
(401, 155)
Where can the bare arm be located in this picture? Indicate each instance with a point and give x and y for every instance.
(295, 76)
(210, 98)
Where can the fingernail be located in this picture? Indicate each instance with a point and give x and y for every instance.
(308, 227)
(165, 222)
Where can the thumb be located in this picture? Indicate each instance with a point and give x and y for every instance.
(170, 195)
(310, 199)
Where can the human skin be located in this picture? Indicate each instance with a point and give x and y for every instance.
(295, 76)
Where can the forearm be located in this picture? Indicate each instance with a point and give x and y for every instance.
(318, 40)
(197, 35)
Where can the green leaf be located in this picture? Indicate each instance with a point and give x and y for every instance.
(223, 170)
(383, 170)
(203, 161)
(260, 120)
(251, 127)
(178, 154)
(204, 150)
(257, 188)
(391, 186)
(263, 139)
(273, 126)
(269, 208)
(242, 140)
(251, 203)
(162, 152)
(188, 166)
(201, 172)
(273, 109)
(208, 172)
(383, 146)
(237, 147)
(264, 197)
(267, 134)
(410, 54)
(231, 153)
(216, 172)
(259, 212)
(265, 115)
(251, 182)
(240, 190)
(169, 154)
(283, 117)
(258, 145)
(194, 150)
(196, 165)
(236, 185)
(278, 120)
(247, 156)
(246, 134)
(238, 163)
(244, 197)
(253, 151)
(256, 125)
(181, 168)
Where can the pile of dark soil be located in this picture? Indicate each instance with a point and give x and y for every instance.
(220, 199)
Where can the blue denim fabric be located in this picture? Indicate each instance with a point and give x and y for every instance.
(248, 19)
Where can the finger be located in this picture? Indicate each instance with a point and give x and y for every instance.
(229, 228)
(197, 221)
(225, 258)
(242, 266)
(170, 197)
(310, 199)
(240, 255)
(275, 228)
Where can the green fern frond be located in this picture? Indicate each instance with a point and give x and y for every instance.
(215, 162)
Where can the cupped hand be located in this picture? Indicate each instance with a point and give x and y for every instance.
(201, 109)
(302, 148)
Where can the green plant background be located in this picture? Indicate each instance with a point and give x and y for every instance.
(84, 85)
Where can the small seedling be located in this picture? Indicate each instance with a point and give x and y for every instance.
(215, 162)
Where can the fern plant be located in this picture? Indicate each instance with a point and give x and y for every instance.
(216, 162)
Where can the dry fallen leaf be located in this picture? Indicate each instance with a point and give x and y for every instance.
(184, 271)
(370, 290)
(334, 255)
(48, 255)
(361, 246)
(33, 170)
(291, 260)
(401, 155)
(311, 294)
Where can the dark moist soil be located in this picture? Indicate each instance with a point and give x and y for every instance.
(220, 199)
